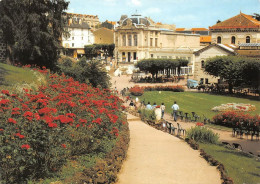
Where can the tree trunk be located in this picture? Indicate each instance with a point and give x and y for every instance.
(230, 88)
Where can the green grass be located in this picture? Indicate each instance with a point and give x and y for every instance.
(242, 168)
(201, 103)
(11, 76)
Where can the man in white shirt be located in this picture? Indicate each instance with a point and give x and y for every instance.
(175, 108)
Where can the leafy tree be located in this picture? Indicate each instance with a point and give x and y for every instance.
(153, 66)
(251, 73)
(256, 16)
(92, 72)
(32, 30)
(95, 49)
(226, 67)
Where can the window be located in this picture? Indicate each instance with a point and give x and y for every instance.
(129, 40)
(218, 39)
(233, 40)
(82, 38)
(201, 80)
(151, 42)
(151, 55)
(73, 38)
(206, 81)
(156, 42)
(202, 64)
(72, 44)
(135, 56)
(135, 40)
(248, 39)
(124, 40)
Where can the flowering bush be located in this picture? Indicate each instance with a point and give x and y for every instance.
(233, 119)
(136, 91)
(176, 88)
(234, 107)
(40, 130)
(199, 124)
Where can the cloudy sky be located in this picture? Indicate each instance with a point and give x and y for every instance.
(182, 13)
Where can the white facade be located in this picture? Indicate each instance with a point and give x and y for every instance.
(79, 37)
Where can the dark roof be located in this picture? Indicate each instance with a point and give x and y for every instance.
(77, 23)
(197, 53)
(137, 20)
(249, 45)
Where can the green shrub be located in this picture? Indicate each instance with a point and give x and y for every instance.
(202, 134)
(84, 71)
(148, 115)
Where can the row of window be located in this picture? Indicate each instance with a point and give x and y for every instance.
(129, 39)
(233, 39)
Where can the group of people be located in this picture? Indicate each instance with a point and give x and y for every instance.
(175, 108)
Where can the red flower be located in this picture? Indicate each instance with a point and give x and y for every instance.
(26, 146)
(6, 92)
(11, 120)
(64, 145)
(52, 125)
(199, 124)
(20, 135)
(98, 121)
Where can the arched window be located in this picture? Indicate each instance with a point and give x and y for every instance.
(233, 40)
(248, 39)
(218, 39)
(202, 64)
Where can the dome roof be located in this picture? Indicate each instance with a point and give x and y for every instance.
(137, 20)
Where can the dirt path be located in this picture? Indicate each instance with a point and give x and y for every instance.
(155, 157)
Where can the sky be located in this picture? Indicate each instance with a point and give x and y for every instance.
(182, 13)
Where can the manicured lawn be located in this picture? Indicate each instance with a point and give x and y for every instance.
(201, 103)
(11, 75)
(240, 167)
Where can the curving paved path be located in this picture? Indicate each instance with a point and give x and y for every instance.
(155, 157)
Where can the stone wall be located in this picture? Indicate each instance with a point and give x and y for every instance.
(2, 48)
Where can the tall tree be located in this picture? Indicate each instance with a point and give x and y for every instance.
(226, 67)
(32, 30)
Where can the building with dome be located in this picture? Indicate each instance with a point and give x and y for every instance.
(138, 38)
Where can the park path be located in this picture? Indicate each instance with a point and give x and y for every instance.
(155, 157)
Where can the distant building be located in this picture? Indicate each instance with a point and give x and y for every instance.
(91, 20)
(108, 24)
(137, 38)
(205, 38)
(103, 36)
(78, 34)
(2, 48)
(236, 30)
(249, 50)
(202, 55)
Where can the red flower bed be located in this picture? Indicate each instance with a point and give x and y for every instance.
(176, 88)
(136, 91)
(40, 130)
(234, 119)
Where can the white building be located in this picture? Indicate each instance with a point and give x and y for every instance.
(78, 35)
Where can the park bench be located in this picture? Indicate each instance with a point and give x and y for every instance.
(187, 117)
(195, 117)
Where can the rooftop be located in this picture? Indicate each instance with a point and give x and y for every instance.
(239, 21)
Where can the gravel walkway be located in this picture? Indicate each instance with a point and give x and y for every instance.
(155, 157)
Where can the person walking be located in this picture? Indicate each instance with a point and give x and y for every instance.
(162, 109)
(148, 106)
(175, 108)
